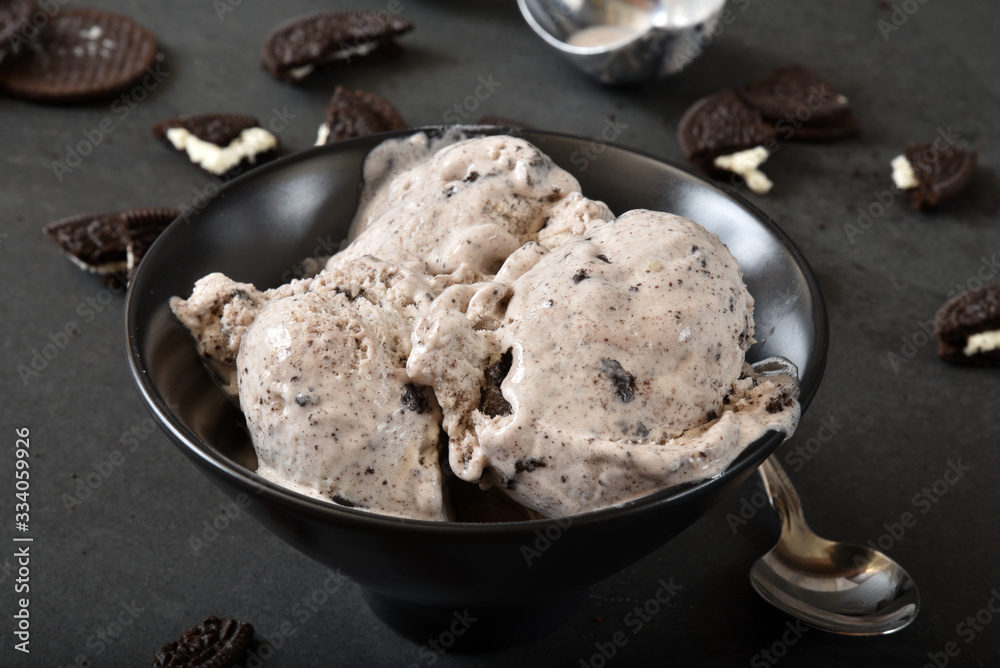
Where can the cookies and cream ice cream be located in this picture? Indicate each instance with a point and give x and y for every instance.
(488, 312)
(611, 367)
(464, 210)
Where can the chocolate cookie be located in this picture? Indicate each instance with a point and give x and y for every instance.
(354, 113)
(109, 243)
(95, 242)
(221, 144)
(142, 227)
(293, 50)
(801, 105)
(720, 124)
(215, 643)
(15, 26)
(941, 173)
(967, 327)
(79, 56)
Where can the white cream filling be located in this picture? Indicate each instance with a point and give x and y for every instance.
(902, 173)
(323, 134)
(983, 342)
(298, 73)
(219, 160)
(745, 163)
(100, 269)
(357, 50)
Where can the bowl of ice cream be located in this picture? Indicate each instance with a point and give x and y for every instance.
(423, 562)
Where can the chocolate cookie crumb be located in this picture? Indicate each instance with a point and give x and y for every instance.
(414, 398)
(491, 400)
(529, 466)
(624, 382)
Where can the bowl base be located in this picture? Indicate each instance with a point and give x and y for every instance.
(471, 629)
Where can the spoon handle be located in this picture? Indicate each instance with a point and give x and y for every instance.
(783, 496)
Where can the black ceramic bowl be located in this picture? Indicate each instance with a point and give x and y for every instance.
(518, 579)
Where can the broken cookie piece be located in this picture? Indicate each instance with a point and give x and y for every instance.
(801, 105)
(214, 643)
(295, 49)
(142, 227)
(355, 113)
(932, 174)
(967, 327)
(109, 243)
(221, 144)
(721, 133)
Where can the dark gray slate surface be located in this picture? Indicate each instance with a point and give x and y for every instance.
(124, 553)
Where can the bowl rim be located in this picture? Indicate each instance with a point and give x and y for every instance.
(241, 477)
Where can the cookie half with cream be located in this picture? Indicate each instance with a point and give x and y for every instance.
(295, 49)
(722, 133)
(801, 105)
(967, 327)
(223, 145)
(355, 113)
(932, 174)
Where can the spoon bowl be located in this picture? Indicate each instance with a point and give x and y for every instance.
(836, 587)
(619, 41)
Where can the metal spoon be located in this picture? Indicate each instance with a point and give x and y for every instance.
(836, 587)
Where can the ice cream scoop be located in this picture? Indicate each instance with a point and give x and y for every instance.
(625, 42)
